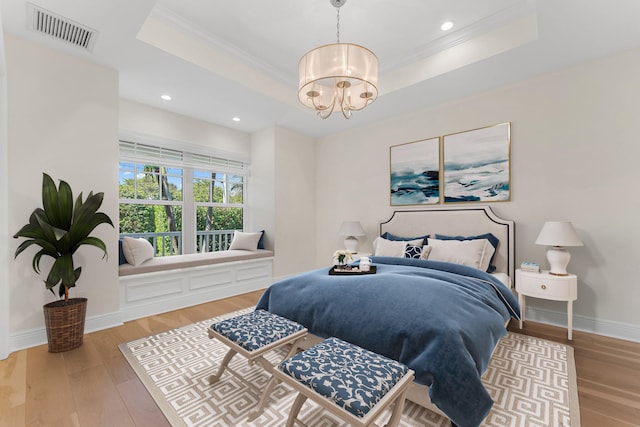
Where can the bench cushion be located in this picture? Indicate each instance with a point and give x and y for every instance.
(254, 330)
(354, 378)
(191, 260)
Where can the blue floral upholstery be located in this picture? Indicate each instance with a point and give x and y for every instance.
(257, 329)
(354, 378)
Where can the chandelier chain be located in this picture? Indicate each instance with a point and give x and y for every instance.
(338, 25)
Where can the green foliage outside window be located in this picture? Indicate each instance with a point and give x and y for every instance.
(153, 183)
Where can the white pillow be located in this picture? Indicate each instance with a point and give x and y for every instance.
(393, 248)
(245, 241)
(426, 250)
(474, 253)
(137, 251)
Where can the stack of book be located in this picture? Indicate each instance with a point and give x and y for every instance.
(530, 266)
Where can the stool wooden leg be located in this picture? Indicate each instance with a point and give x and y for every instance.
(398, 406)
(227, 358)
(263, 399)
(295, 408)
(294, 348)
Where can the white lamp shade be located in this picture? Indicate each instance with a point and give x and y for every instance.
(351, 228)
(558, 233)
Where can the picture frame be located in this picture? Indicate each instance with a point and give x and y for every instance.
(477, 165)
(415, 173)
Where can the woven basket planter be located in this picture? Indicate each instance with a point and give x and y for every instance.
(65, 323)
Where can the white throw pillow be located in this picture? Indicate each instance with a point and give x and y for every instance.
(474, 253)
(137, 251)
(393, 248)
(245, 241)
(426, 250)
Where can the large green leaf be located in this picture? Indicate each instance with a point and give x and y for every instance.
(94, 241)
(48, 232)
(55, 275)
(65, 206)
(50, 199)
(89, 207)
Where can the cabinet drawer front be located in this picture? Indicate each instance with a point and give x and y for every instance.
(544, 288)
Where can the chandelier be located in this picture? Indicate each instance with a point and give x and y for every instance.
(339, 75)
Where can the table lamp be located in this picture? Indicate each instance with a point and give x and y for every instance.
(351, 229)
(558, 234)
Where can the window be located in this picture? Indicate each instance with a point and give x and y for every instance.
(181, 202)
(218, 200)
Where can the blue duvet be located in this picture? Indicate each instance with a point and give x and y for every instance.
(442, 320)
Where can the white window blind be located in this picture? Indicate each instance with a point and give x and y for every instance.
(135, 151)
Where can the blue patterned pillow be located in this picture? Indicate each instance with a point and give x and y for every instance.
(413, 251)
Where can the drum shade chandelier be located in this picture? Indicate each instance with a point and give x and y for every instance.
(339, 75)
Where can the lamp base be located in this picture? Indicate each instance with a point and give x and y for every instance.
(351, 244)
(558, 258)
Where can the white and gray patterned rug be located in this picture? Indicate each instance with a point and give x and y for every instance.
(532, 382)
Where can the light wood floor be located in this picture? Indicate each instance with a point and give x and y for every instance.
(94, 385)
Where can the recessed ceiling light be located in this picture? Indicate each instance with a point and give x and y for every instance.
(446, 26)
(236, 119)
(166, 97)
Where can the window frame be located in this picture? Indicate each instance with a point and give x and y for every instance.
(150, 153)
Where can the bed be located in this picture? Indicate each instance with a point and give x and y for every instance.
(442, 319)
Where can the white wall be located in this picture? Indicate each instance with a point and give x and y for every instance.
(149, 122)
(4, 205)
(63, 120)
(295, 202)
(262, 186)
(282, 197)
(574, 148)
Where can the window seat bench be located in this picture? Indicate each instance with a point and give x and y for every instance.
(168, 283)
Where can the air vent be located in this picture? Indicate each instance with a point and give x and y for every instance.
(59, 27)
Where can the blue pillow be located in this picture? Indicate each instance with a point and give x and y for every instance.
(490, 237)
(261, 241)
(389, 236)
(121, 257)
(413, 251)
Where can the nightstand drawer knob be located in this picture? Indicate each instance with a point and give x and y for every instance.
(543, 286)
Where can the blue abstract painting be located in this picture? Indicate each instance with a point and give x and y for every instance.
(415, 173)
(477, 165)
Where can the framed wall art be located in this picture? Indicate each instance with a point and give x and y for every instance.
(415, 173)
(477, 165)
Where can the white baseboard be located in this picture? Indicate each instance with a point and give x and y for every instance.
(38, 336)
(607, 328)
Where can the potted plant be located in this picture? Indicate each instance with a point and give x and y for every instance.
(60, 228)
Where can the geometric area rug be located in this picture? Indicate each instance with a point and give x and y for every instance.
(532, 382)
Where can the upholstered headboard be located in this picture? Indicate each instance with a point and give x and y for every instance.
(458, 221)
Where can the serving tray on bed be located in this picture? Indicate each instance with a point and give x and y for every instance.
(355, 271)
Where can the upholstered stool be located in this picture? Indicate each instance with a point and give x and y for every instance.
(352, 383)
(252, 335)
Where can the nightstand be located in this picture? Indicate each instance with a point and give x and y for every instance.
(547, 286)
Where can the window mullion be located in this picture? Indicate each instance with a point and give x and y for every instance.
(188, 213)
